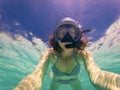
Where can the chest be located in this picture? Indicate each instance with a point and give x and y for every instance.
(66, 65)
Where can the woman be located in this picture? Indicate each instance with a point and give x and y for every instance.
(68, 51)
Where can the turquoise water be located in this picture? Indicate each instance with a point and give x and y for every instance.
(19, 57)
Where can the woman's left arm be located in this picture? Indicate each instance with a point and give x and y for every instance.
(101, 78)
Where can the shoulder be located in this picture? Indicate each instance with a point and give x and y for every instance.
(50, 53)
(46, 56)
(82, 54)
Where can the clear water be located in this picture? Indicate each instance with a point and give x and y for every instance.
(19, 57)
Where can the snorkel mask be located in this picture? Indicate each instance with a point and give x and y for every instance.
(68, 31)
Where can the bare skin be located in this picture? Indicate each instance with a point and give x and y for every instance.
(100, 78)
(65, 64)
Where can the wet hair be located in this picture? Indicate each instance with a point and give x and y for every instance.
(82, 43)
(68, 22)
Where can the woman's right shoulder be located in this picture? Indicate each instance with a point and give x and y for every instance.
(52, 55)
(50, 52)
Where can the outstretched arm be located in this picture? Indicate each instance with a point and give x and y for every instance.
(34, 81)
(101, 78)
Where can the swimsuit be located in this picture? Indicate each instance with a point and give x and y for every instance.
(75, 71)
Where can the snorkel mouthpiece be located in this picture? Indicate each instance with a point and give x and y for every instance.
(72, 45)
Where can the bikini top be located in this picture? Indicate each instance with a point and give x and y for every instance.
(74, 72)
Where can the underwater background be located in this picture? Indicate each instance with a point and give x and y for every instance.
(25, 26)
(19, 57)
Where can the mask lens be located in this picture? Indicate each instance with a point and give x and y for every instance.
(74, 32)
(60, 33)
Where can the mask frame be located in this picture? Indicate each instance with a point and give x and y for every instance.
(67, 34)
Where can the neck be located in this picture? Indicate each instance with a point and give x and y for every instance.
(67, 52)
